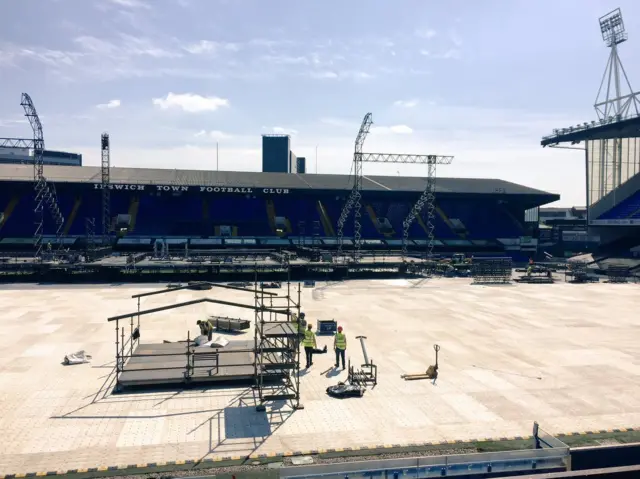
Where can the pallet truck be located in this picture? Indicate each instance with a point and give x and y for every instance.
(431, 373)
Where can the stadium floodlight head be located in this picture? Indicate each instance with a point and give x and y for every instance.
(612, 28)
(617, 100)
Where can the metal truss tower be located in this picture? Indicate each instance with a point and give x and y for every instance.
(615, 101)
(106, 193)
(428, 199)
(354, 200)
(44, 193)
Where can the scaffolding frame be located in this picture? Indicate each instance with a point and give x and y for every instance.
(276, 341)
(281, 350)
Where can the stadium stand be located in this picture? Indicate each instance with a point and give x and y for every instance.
(626, 209)
(200, 204)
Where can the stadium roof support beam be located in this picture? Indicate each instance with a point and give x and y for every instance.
(354, 200)
(44, 193)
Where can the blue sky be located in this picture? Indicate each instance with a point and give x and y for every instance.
(482, 80)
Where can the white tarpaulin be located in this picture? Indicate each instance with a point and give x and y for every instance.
(216, 342)
(79, 357)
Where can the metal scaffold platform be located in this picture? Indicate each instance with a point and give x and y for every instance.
(270, 362)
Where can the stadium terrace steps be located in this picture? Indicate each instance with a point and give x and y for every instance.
(271, 215)
(13, 202)
(449, 224)
(627, 209)
(513, 219)
(196, 215)
(133, 212)
(325, 220)
(72, 215)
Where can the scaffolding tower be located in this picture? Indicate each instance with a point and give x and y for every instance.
(277, 346)
(45, 193)
(354, 201)
(105, 167)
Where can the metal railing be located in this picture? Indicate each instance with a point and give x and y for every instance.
(438, 466)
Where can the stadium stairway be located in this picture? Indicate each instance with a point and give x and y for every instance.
(373, 216)
(635, 214)
(205, 209)
(517, 224)
(11, 206)
(70, 218)
(626, 209)
(422, 224)
(440, 212)
(325, 220)
(271, 215)
(134, 206)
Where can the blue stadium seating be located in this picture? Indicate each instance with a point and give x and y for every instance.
(182, 214)
(626, 209)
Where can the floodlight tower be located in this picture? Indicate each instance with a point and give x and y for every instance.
(612, 102)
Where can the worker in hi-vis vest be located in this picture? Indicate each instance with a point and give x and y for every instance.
(309, 344)
(206, 328)
(340, 346)
(300, 323)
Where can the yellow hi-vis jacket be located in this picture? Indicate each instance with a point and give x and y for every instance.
(340, 341)
(295, 319)
(206, 327)
(309, 339)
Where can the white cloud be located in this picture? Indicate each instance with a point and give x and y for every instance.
(425, 33)
(12, 123)
(339, 123)
(109, 105)
(455, 38)
(324, 75)
(129, 46)
(207, 46)
(216, 135)
(394, 130)
(285, 60)
(284, 131)
(190, 102)
(451, 54)
(341, 75)
(406, 103)
(130, 4)
(356, 75)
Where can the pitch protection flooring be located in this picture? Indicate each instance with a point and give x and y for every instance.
(564, 355)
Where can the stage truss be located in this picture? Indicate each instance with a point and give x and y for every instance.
(45, 193)
(354, 200)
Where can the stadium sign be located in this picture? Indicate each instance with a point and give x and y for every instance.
(199, 189)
